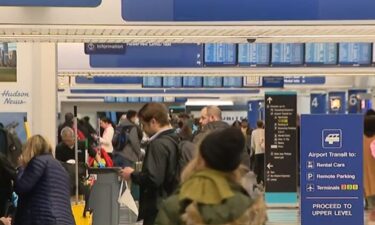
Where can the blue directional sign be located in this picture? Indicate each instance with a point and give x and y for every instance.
(255, 112)
(336, 102)
(153, 55)
(318, 103)
(52, 3)
(296, 80)
(354, 103)
(331, 169)
(273, 82)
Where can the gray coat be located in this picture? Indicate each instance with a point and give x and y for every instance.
(132, 150)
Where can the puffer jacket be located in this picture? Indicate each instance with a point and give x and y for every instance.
(44, 194)
(240, 209)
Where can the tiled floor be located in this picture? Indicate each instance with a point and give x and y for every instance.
(275, 217)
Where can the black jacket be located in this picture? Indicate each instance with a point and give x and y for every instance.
(209, 127)
(7, 174)
(158, 168)
(65, 153)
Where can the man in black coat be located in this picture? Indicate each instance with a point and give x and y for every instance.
(7, 174)
(159, 164)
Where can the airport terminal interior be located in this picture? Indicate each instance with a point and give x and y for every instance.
(305, 70)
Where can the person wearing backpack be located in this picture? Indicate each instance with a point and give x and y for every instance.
(258, 148)
(211, 190)
(127, 141)
(156, 179)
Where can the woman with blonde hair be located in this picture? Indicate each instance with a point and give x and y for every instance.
(211, 191)
(42, 185)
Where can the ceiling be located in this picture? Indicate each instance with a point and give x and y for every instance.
(190, 33)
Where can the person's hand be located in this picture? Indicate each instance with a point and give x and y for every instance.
(6, 220)
(126, 172)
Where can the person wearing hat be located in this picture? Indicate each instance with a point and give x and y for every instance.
(211, 192)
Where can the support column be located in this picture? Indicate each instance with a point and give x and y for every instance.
(44, 91)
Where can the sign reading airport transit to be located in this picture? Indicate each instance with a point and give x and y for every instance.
(281, 147)
(52, 3)
(331, 169)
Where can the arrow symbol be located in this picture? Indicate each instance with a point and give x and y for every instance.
(269, 166)
(269, 100)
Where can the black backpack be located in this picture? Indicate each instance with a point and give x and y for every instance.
(121, 137)
(180, 164)
(10, 146)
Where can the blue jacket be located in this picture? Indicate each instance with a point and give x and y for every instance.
(44, 195)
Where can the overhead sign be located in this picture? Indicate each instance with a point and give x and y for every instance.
(336, 102)
(318, 103)
(104, 48)
(52, 3)
(331, 169)
(296, 80)
(255, 112)
(281, 147)
(151, 55)
(354, 102)
(246, 10)
(273, 82)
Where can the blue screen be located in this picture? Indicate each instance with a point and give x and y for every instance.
(254, 54)
(355, 53)
(145, 99)
(133, 99)
(232, 82)
(220, 54)
(121, 99)
(152, 82)
(109, 99)
(321, 53)
(192, 82)
(172, 81)
(212, 81)
(157, 99)
(287, 54)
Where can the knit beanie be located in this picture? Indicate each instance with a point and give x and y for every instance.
(222, 149)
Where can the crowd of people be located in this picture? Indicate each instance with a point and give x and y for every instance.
(191, 170)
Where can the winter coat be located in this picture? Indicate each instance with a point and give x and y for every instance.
(238, 208)
(132, 149)
(44, 196)
(209, 127)
(158, 167)
(368, 167)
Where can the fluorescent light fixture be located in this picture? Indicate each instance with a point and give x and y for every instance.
(206, 102)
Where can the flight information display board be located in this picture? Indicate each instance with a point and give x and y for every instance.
(321, 53)
(285, 54)
(133, 99)
(220, 54)
(172, 81)
(255, 54)
(145, 99)
(157, 99)
(212, 81)
(232, 82)
(152, 82)
(192, 82)
(121, 99)
(355, 53)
